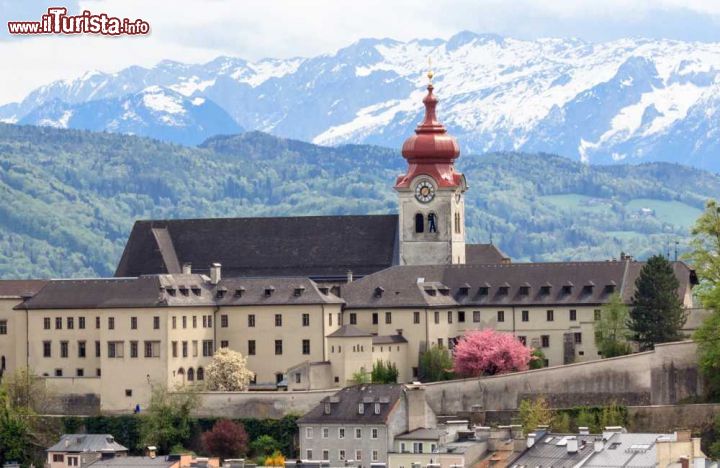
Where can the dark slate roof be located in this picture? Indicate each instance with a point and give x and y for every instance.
(444, 285)
(344, 405)
(388, 339)
(103, 443)
(484, 253)
(348, 331)
(312, 246)
(175, 290)
(20, 288)
(546, 452)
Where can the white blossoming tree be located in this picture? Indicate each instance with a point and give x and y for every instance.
(228, 371)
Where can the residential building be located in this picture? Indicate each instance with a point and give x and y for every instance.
(81, 450)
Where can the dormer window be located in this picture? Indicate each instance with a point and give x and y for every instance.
(525, 290)
(299, 291)
(545, 290)
(239, 291)
(379, 291)
(377, 408)
(567, 288)
(504, 289)
(269, 291)
(484, 290)
(171, 291)
(361, 408)
(325, 290)
(465, 289)
(430, 291)
(444, 290)
(327, 408)
(610, 287)
(184, 290)
(220, 293)
(588, 288)
(196, 290)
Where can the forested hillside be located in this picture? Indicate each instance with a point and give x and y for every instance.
(68, 198)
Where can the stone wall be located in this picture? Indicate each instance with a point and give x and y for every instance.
(73, 396)
(260, 405)
(663, 376)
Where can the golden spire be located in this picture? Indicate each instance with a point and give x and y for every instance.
(430, 73)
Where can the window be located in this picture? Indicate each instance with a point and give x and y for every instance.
(70, 323)
(358, 454)
(81, 323)
(80, 372)
(194, 321)
(449, 316)
(597, 314)
(133, 349)
(201, 373)
(195, 348)
(205, 322)
(308, 432)
(419, 222)
(47, 349)
(3, 327)
(432, 222)
(377, 408)
(374, 433)
(525, 315)
(133, 323)
(353, 318)
(58, 323)
(325, 454)
(72, 461)
(358, 433)
(97, 349)
(417, 447)
(251, 347)
(97, 322)
(251, 320)
(64, 349)
(224, 321)
(374, 455)
(550, 315)
(375, 318)
(440, 342)
(58, 373)
(190, 374)
(341, 454)
(476, 316)
(329, 319)
(128, 392)
(81, 349)
(58, 457)
(501, 316)
(208, 348)
(457, 223)
(298, 377)
(224, 343)
(184, 349)
(308, 454)
(388, 317)
(437, 317)
(545, 339)
(573, 315)
(184, 321)
(174, 348)
(174, 322)
(461, 316)
(341, 433)
(278, 320)
(115, 349)
(523, 340)
(46, 323)
(278, 347)
(306, 346)
(305, 320)
(416, 317)
(361, 408)
(156, 323)
(578, 338)
(111, 323)
(325, 432)
(98, 372)
(152, 349)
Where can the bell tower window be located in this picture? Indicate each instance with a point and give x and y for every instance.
(432, 222)
(457, 223)
(419, 223)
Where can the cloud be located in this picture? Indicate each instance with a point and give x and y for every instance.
(199, 30)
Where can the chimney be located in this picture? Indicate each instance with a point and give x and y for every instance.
(150, 451)
(416, 407)
(187, 268)
(584, 430)
(482, 433)
(215, 273)
(684, 462)
(349, 276)
(572, 444)
(598, 445)
(531, 439)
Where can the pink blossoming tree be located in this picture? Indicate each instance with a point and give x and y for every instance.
(489, 352)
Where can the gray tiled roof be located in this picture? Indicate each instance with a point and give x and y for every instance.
(546, 452)
(313, 246)
(627, 450)
(442, 285)
(345, 403)
(104, 443)
(347, 331)
(389, 339)
(175, 290)
(133, 462)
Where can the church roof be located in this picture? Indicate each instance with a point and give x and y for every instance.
(311, 246)
(484, 253)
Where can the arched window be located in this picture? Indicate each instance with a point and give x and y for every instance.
(432, 222)
(201, 373)
(419, 223)
(181, 373)
(191, 374)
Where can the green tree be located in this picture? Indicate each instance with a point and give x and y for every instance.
(167, 422)
(534, 413)
(714, 448)
(657, 313)
(612, 415)
(611, 330)
(264, 445)
(384, 372)
(360, 377)
(561, 423)
(537, 359)
(705, 247)
(435, 365)
(707, 338)
(587, 418)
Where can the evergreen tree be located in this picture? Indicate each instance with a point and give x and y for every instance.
(657, 313)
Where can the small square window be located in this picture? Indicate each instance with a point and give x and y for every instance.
(128, 392)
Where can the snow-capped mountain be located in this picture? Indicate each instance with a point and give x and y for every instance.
(154, 111)
(625, 100)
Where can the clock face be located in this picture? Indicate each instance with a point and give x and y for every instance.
(424, 191)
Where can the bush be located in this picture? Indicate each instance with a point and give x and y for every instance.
(227, 439)
(435, 365)
(264, 445)
(384, 373)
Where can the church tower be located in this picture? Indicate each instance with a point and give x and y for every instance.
(431, 194)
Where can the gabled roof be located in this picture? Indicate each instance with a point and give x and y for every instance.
(484, 253)
(312, 246)
(100, 443)
(348, 331)
(175, 290)
(344, 405)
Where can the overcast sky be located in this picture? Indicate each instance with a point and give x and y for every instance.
(199, 30)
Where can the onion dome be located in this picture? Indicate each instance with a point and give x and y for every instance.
(431, 142)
